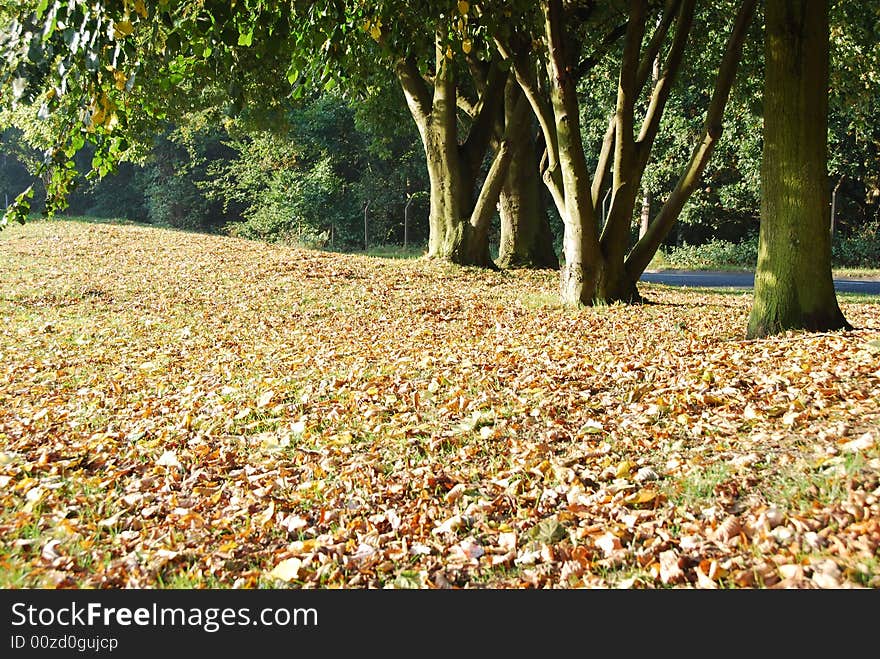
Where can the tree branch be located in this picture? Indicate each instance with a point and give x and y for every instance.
(491, 189)
(663, 86)
(489, 105)
(656, 43)
(418, 96)
(527, 77)
(644, 250)
(605, 158)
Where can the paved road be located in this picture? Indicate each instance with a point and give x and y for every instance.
(746, 280)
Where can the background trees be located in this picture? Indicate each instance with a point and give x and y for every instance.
(347, 124)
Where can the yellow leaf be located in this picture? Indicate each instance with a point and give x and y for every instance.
(376, 32)
(463, 6)
(120, 79)
(644, 495)
(287, 570)
(228, 546)
(266, 516)
(140, 8)
(467, 46)
(123, 28)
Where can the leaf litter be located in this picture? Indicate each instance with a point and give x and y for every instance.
(181, 410)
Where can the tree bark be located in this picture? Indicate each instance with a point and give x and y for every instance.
(595, 269)
(631, 154)
(456, 218)
(526, 238)
(794, 288)
(571, 185)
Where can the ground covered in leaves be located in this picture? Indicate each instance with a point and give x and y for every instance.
(181, 410)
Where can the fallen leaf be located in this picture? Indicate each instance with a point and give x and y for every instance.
(287, 570)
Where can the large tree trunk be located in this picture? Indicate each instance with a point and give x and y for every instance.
(631, 153)
(793, 284)
(597, 269)
(458, 219)
(526, 237)
(448, 198)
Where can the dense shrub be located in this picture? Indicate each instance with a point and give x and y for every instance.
(714, 254)
(858, 250)
(178, 165)
(297, 207)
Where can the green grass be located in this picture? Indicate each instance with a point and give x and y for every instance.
(698, 487)
(396, 252)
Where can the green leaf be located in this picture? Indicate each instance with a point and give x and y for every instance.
(19, 209)
(246, 38)
(549, 531)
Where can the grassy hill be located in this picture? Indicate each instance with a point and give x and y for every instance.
(181, 410)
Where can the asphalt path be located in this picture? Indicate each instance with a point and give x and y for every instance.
(746, 280)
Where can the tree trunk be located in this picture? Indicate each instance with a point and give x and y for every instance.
(448, 199)
(568, 178)
(631, 153)
(645, 219)
(595, 268)
(793, 284)
(526, 237)
(457, 221)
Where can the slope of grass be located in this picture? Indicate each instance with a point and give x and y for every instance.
(180, 410)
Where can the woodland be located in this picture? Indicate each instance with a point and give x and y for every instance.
(347, 294)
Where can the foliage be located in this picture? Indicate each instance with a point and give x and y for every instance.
(299, 207)
(714, 254)
(859, 249)
(15, 176)
(204, 411)
(177, 166)
(309, 183)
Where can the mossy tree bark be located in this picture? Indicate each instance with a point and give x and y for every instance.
(526, 237)
(460, 212)
(794, 288)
